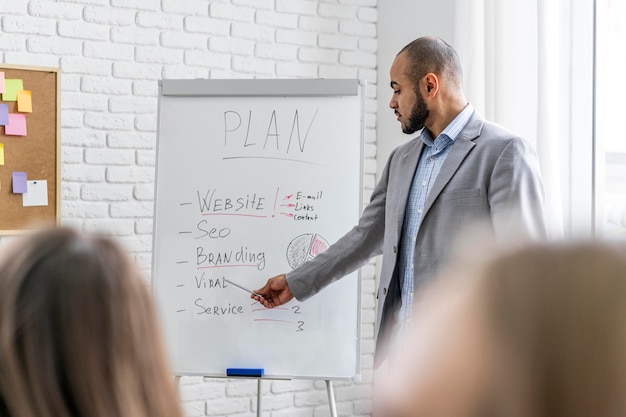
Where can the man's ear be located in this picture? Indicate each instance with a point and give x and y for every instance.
(432, 82)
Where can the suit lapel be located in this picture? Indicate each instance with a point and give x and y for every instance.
(462, 146)
(408, 167)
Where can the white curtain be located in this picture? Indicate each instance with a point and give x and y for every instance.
(510, 55)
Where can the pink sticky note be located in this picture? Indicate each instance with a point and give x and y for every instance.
(17, 125)
(3, 87)
(20, 182)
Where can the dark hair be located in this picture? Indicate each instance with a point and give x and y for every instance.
(431, 54)
(79, 334)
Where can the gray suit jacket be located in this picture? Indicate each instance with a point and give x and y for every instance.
(489, 174)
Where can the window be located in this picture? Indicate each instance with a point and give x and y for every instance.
(610, 119)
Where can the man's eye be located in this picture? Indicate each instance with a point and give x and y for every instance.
(396, 91)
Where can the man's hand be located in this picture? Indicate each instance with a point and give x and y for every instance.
(276, 292)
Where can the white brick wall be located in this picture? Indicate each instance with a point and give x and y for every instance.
(112, 52)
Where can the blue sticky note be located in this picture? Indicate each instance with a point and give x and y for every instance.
(20, 182)
(4, 114)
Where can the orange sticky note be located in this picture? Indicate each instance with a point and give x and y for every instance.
(17, 125)
(1, 153)
(25, 101)
(12, 86)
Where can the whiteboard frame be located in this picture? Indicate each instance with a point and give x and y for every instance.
(269, 88)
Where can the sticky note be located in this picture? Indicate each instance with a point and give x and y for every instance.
(25, 101)
(12, 86)
(1, 153)
(20, 182)
(17, 125)
(2, 85)
(36, 194)
(4, 114)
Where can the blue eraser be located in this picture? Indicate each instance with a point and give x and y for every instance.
(245, 371)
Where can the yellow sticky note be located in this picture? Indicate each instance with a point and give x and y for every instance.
(25, 101)
(1, 153)
(12, 86)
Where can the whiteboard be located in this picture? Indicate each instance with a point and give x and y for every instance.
(253, 178)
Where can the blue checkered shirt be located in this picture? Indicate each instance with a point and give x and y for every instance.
(433, 155)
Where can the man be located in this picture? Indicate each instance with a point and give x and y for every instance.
(461, 169)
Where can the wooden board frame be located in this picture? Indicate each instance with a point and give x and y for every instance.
(38, 154)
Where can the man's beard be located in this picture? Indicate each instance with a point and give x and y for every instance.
(418, 116)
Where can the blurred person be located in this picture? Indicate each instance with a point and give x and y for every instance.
(459, 169)
(79, 335)
(535, 332)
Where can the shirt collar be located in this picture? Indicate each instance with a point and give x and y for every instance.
(451, 132)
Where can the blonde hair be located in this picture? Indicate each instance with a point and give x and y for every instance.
(78, 332)
(560, 310)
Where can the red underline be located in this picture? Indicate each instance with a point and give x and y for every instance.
(226, 266)
(234, 214)
(281, 321)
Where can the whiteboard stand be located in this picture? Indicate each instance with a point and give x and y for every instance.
(213, 140)
(331, 398)
(329, 388)
(259, 396)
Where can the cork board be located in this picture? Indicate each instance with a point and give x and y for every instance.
(37, 153)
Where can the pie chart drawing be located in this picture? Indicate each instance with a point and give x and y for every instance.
(305, 247)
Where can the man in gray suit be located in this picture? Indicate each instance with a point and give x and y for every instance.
(461, 169)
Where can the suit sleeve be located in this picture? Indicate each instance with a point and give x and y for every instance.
(350, 252)
(516, 195)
